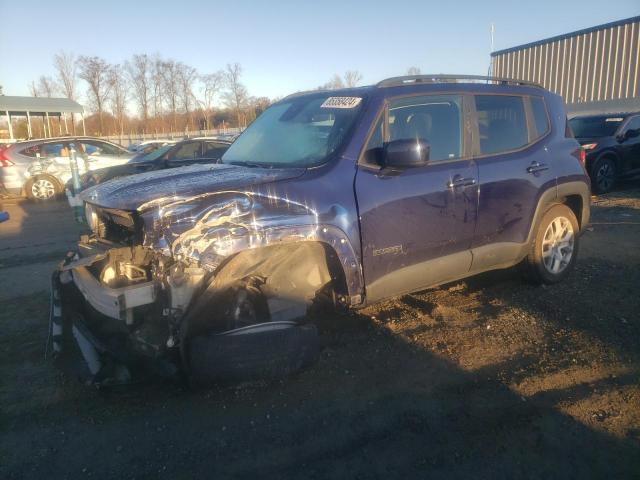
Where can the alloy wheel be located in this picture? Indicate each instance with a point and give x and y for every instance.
(43, 189)
(605, 177)
(557, 245)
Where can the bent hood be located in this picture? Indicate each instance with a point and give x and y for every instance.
(154, 189)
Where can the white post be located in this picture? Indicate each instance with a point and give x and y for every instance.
(49, 124)
(66, 130)
(10, 126)
(84, 130)
(30, 131)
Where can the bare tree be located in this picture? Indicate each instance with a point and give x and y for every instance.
(170, 87)
(33, 89)
(119, 93)
(186, 78)
(211, 85)
(157, 83)
(352, 77)
(413, 71)
(236, 94)
(334, 83)
(46, 86)
(139, 73)
(95, 71)
(65, 65)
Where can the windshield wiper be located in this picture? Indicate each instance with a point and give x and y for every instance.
(250, 165)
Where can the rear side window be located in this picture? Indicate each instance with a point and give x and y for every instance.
(31, 151)
(501, 123)
(540, 117)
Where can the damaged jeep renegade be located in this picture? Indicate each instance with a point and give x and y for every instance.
(329, 198)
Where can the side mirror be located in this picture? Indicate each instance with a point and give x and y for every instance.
(406, 153)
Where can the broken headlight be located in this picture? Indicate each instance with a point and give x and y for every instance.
(92, 217)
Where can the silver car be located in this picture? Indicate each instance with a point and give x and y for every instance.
(40, 168)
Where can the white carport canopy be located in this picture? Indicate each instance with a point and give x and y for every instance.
(39, 106)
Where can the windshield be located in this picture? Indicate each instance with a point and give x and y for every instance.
(150, 157)
(301, 132)
(586, 127)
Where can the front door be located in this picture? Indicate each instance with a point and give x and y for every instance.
(417, 224)
(630, 145)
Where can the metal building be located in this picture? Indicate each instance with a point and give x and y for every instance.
(595, 70)
(45, 108)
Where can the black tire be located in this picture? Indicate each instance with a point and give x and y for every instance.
(42, 188)
(546, 252)
(603, 175)
(263, 354)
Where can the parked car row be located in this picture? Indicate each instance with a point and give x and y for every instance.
(333, 199)
(40, 168)
(612, 143)
(171, 155)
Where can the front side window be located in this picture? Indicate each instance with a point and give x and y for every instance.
(100, 148)
(633, 125)
(297, 132)
(436, 119)
(502, 123)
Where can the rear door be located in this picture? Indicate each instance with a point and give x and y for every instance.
(417, 224)
(514, 169)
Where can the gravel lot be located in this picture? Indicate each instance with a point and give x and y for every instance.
(485, 378)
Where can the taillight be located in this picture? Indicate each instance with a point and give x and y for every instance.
(4, 161)
(582, 156)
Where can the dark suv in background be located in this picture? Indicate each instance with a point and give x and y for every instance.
(612, 143)
(340, 198)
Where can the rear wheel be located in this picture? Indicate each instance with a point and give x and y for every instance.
(604, 175)
(42, 188)
(555, 247)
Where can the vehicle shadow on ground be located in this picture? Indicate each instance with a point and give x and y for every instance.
(376, 405)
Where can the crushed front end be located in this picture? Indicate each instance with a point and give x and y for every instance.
(210, 281)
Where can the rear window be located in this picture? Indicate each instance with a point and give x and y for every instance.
(540, 117)
(501, 123)
(586, 127)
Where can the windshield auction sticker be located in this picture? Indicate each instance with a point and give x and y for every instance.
(341, 102)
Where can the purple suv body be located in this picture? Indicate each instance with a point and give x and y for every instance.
(352, 195)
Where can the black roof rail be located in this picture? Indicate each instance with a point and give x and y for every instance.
(414, 79)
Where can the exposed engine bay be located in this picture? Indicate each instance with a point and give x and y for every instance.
(132, 310)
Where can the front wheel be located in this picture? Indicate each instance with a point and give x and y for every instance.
(554, 249)
(42, 188)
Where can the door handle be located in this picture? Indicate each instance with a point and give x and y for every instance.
(536, 167)
(461, 182)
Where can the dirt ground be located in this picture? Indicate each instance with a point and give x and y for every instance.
(485, 378)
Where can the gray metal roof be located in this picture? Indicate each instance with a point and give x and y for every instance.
(20, 105)
(567, 35)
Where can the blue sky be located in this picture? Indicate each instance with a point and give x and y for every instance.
(285, 46)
